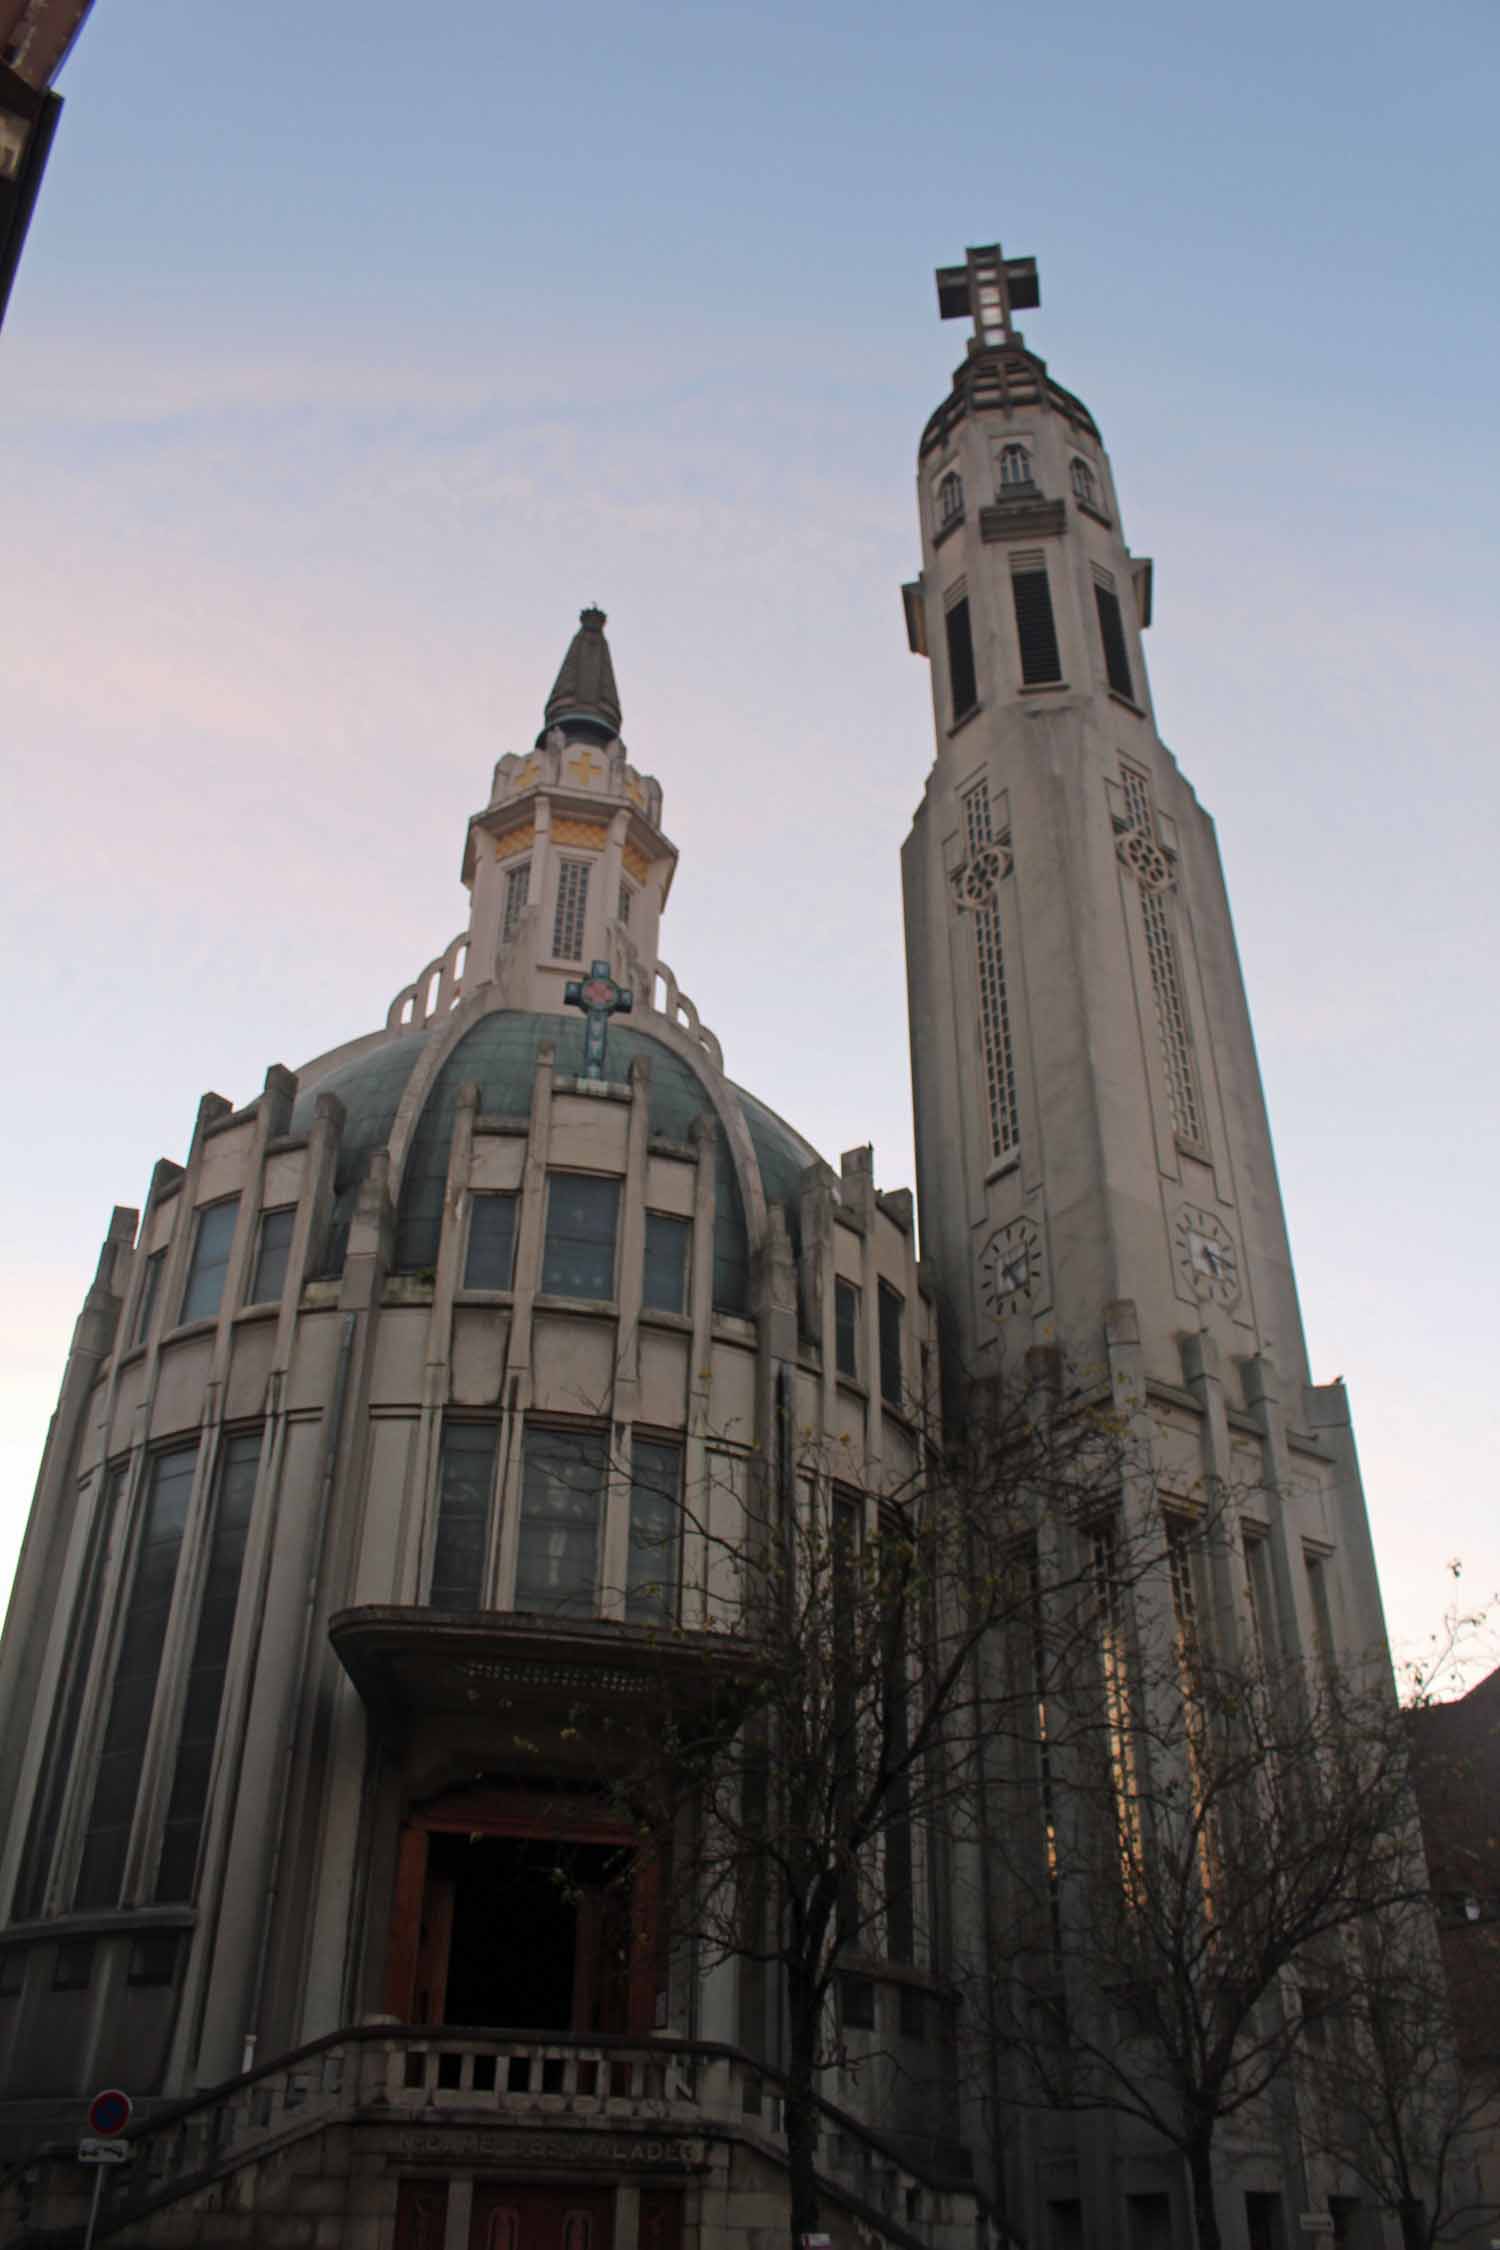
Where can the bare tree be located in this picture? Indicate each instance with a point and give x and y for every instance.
(808, 1805)
(1393, 2097)
(1227, 1825)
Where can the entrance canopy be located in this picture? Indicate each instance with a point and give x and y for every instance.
(564, 1693)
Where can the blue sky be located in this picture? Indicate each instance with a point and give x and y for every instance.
(356, 347)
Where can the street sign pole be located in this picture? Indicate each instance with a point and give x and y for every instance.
(109, 2114)
(88, 2239)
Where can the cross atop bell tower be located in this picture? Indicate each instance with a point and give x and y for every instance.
(989, 287)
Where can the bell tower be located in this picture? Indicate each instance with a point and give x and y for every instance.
(1090, 1124)
(1094, 1161)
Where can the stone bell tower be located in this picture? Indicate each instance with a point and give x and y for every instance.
(1094, 1159)
(1090, 1122)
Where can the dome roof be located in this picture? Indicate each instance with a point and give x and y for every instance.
(499, 1054)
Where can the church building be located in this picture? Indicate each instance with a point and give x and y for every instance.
(368, 1468)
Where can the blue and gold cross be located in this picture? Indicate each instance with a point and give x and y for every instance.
(600, 998)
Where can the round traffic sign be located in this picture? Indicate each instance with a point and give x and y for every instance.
(109, 2113)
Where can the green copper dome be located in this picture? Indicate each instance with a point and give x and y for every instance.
(499, 1054)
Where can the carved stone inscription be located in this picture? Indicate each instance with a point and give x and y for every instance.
(563, 2149)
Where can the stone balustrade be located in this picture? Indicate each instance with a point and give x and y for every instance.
(399, 2074)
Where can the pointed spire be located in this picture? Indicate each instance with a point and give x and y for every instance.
(584, 698)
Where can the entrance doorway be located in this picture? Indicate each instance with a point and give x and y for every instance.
(528, 1933)
(515, 1913)
(541, 2218)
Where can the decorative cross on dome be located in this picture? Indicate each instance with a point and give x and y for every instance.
(600, 998)
(991, 288)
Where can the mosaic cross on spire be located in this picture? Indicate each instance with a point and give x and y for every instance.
(600, 998)
(990, 287)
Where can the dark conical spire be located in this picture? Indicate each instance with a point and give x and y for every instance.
(584, 698)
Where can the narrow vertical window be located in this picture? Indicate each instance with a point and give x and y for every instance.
(1190, 1682)
(963, 683)
(1112, 634)
(466, 1476)
(517, 893)
(996, 1036)
(490, 1258)
(62, 1732)
(562, 1501)
(73, 1965)
(1119, 1714)
(890, 1312)
(950, 498)
(579, 1258)
(626, 895)
(210, 1261)
(150, 1286)
(1036, 630)
(652, 1569)
(1184, 1593)
(1047, 1795)
(894, 1563)
(846, 1329)
(1322, 1614)
(572, 905)
(1015, 466)
(664, 1280)
(107, 1834)
(1138, 800)
(1167, 994)
(153, 1960)
(1171, 1018)
(1082, 479)
(273, 1249)
(1264, 1632)
(205, 1687)
(845, 1540)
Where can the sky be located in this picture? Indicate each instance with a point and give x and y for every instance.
(355, 348)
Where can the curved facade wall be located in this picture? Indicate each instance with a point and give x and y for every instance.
(321, 1379)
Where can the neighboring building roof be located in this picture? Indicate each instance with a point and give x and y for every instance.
(1455, 1764)
(35, 36)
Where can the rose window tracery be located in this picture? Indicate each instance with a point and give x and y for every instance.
(1147, 862)
(977, 880)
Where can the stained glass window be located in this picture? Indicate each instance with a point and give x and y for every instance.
(562, 1501)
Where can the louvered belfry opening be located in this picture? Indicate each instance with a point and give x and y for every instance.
(1036, 628)
(1112, 634)
(963, 682)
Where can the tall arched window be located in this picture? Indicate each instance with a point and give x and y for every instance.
(1084, 487)
(1015, 465)
(950, 498)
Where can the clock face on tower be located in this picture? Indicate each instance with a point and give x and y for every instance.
(1206, 1256)
(1010, 1267)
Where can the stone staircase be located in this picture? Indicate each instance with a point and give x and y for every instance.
(438, 2095)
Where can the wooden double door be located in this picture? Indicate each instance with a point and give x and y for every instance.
(526, 2217)
(541, 2218)
(518, 1913)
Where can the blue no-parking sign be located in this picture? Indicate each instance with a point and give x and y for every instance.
(109, 2113)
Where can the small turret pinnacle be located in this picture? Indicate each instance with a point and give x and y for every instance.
(585, 701)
